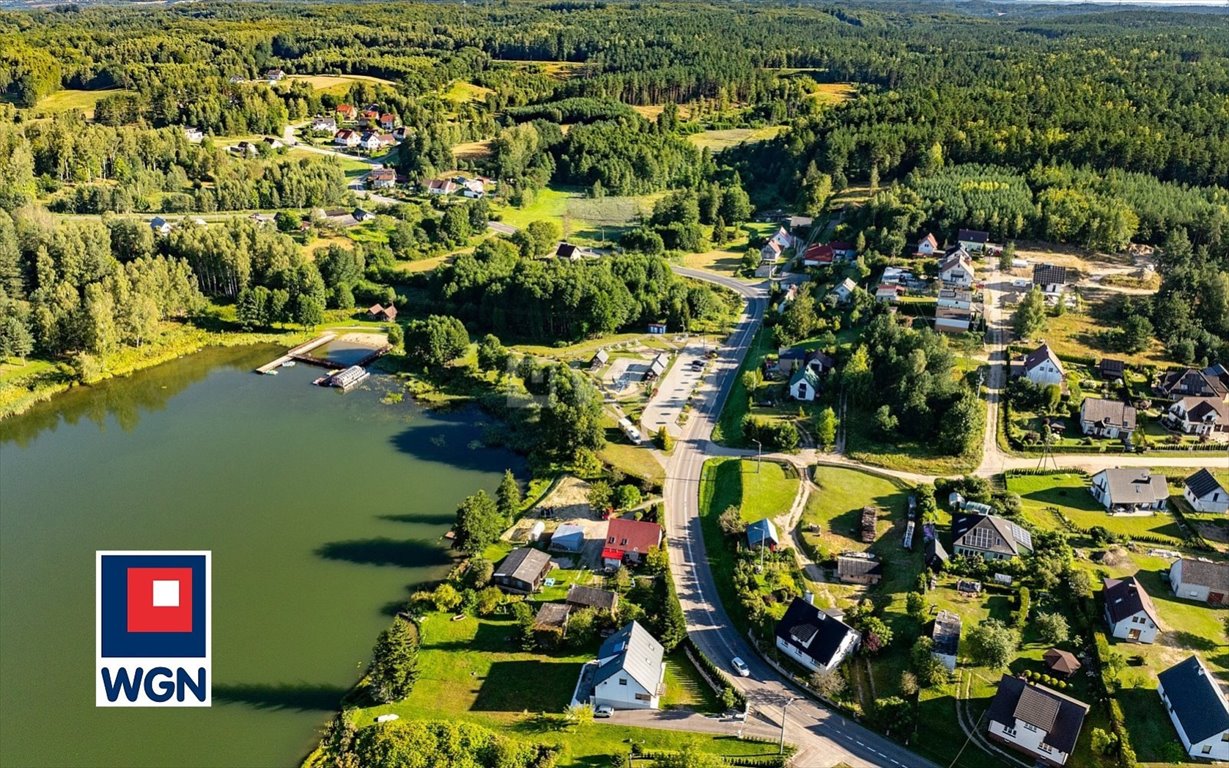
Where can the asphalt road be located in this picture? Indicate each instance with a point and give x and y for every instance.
(823, 738)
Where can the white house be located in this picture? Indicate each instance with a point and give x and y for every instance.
(973, 240)
(1106, 418)
(1203, 416)
(1129, 611)
(844, 290)
(1035, 720)
(956, 269)
(771, 250)
(346, 138)
(1130, 491)
(1197, 707)
(813, 638)
(783, 238)
(194, 135)
(321, 123)
(160, 226)
(1201, 580)
(927, 246)
(473, 188)
(1042, 367)
(1205, 493)
(955, 298)
(804, 385)
(630, 670)
(370, 142)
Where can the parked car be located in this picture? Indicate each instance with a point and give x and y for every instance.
(740, 667)
(604, 711)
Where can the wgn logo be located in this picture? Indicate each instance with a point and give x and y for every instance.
(153, 625)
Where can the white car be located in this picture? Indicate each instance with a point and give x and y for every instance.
(604, 711)
(740, 667)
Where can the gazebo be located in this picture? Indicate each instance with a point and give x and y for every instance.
(1061, 663)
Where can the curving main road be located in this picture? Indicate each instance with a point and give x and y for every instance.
(823, 738)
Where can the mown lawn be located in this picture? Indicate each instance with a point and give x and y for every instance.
(471, 670)
(729, 426)
(758, 489)
(1069, 494)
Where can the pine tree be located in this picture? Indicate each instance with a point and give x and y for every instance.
(394, 663)
(508, 497)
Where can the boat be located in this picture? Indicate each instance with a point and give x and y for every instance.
(271, 373)
(288, 364)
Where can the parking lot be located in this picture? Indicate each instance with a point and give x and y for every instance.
(674, 388)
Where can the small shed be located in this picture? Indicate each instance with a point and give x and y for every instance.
(762, 533)
(870, 517)
(657, 328)
(567, 538)
(536, 530)
(1062, 663)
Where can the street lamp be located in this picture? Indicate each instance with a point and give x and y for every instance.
(783, 709)
(759, 450)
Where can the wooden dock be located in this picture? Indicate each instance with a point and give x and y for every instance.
(300, 353)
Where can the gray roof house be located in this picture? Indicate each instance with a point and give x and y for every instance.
(522, 571)
(1106, 418)
(631, 670)
(1197, 707)
(1035, 720)
(1130, 491)
(591, 597)
(568, 537)
(991, 536)
(1201, 580)
(1205, 493)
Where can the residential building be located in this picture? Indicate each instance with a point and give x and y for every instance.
(273, 143)
(1112, 369)
(973, 240)
(522, 571)
(955, 298)
(388, 121)
(1042, 367)
(771, 251)
(321, 123)
(246, 148)
(1129, 611)
(927, 246)
(568, 537)
(818, 255)
(1192, 382)
(1050, 279)
(889, 292)
(629, 540)
(844, 290)
(843, 250)
(570, 252)
(804, 385)
(1201, 580)
(194, 135)
(347, 138)
(762, 533)
(591, 597)
(384, 314)
(382, 178)
(991, 536)
(1205, 493)
(858, 568)
(1207, 417)
(369, 142)
(813, 638)
(945, 636)
(347, 112)
(953, 320)
(1036, 721)
(783, 238)
(1106, 418)
(819, 362)
(1197, 708)
(956, 269)
(160, 226)
(274, 75)
(441, 187)
(1124, 490)
(474, 189)
(631, 670)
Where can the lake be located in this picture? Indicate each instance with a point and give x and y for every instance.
(322, 510)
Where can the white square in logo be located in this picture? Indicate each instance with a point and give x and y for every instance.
(166, 594)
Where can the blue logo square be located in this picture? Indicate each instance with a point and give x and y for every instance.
(116, 639)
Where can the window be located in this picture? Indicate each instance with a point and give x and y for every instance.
(1207, 750)
(622, 681)
(1030, 727)
(643, 697)
(610, 540)
(623, 543)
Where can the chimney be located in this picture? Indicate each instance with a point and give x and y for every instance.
(809, 597)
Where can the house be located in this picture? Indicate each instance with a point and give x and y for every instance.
(1130, 491)
(869, 523)
(1061, 663)
(388, 121)
(818, 255)
(956, 269)
(858, 568)
(1191, 382)
(347, 112)
(273, 143)
(889, 292)
(369, 142)
(1205, 493)
(955, 298)
(770, 252)
(1050, 279)
(629, 540)
(551, 622)
(386, 314)
(973, 240)
(1035, 720)
(263, 219)
(1112, 369)
(927, 246)
(946, 638)
(194, 135)
(246, 148)
(936, 555)
(819, 362)
(789, 359)
(382, 178)
(953, 320)
(762, 533)
(1106, 418)
(599, 359)
(631, 670)
(844, 290)
(591, 597)
(1201, 580)
(522, 571)
(1129, 611)
(657, 367)
(321, 123)
(473, 189)
(361, 215)
(569, 252)
(1197, 707)
(843, 250)
(441, 187)
(991, 536)
(814, 639)
(160, 226)
(1207, 417)
(347, 138)
(567, 538)
(783, 238)
(804, 385)
(274, 75)
(1042, 367)
(371, 114)
(797, 224)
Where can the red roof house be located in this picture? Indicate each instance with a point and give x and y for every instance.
(818, 255)
(628, 540)
(347, 111)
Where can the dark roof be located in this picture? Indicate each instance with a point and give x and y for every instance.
(973, 235)
(1061, 717)
(935, 553)
(1048, 274)
(762, 531)
(566, 250)
(1062, 662)
(1113, 367)
(524, 564)
(1196, 699)
(1202, 483)
(552, 616)
(849, 567)
(990, 533)
(811, 631)
(946, 633)
(1108, 412)
(1191, 382)
(592, 597)
(1039, 356)
(1126, 597)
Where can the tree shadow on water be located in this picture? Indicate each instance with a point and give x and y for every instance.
(420, 519)
(300, 697)
(403, 553)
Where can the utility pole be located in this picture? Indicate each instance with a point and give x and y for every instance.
(783, 710)
(759, 451)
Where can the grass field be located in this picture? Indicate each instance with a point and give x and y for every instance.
(727, 262)
(338, 84)
(461, 92)
(1069, 494)
(766, 490)
(472, 150)
(718, 141)
(1082, 334)
(63, 101)
(836, 506)
(581, 219)
(470, 670)
(864, 443)
(832, 93)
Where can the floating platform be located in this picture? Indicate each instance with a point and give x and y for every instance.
(345, 380)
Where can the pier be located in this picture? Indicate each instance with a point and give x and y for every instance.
(300, 353)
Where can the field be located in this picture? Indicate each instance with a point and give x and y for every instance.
(766, 490)
(864, 444)
(63, 101)
(719, 141)
(338, 84)
(582, 219)
(1081, 334)
(832, 93)
(836, 506)
(470, 670)
(1068, 493)
(461, 92)
(725, 261)
(472, 150)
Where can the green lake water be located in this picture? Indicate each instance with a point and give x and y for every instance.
(322, 511)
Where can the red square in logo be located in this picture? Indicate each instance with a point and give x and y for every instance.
(159, 599)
